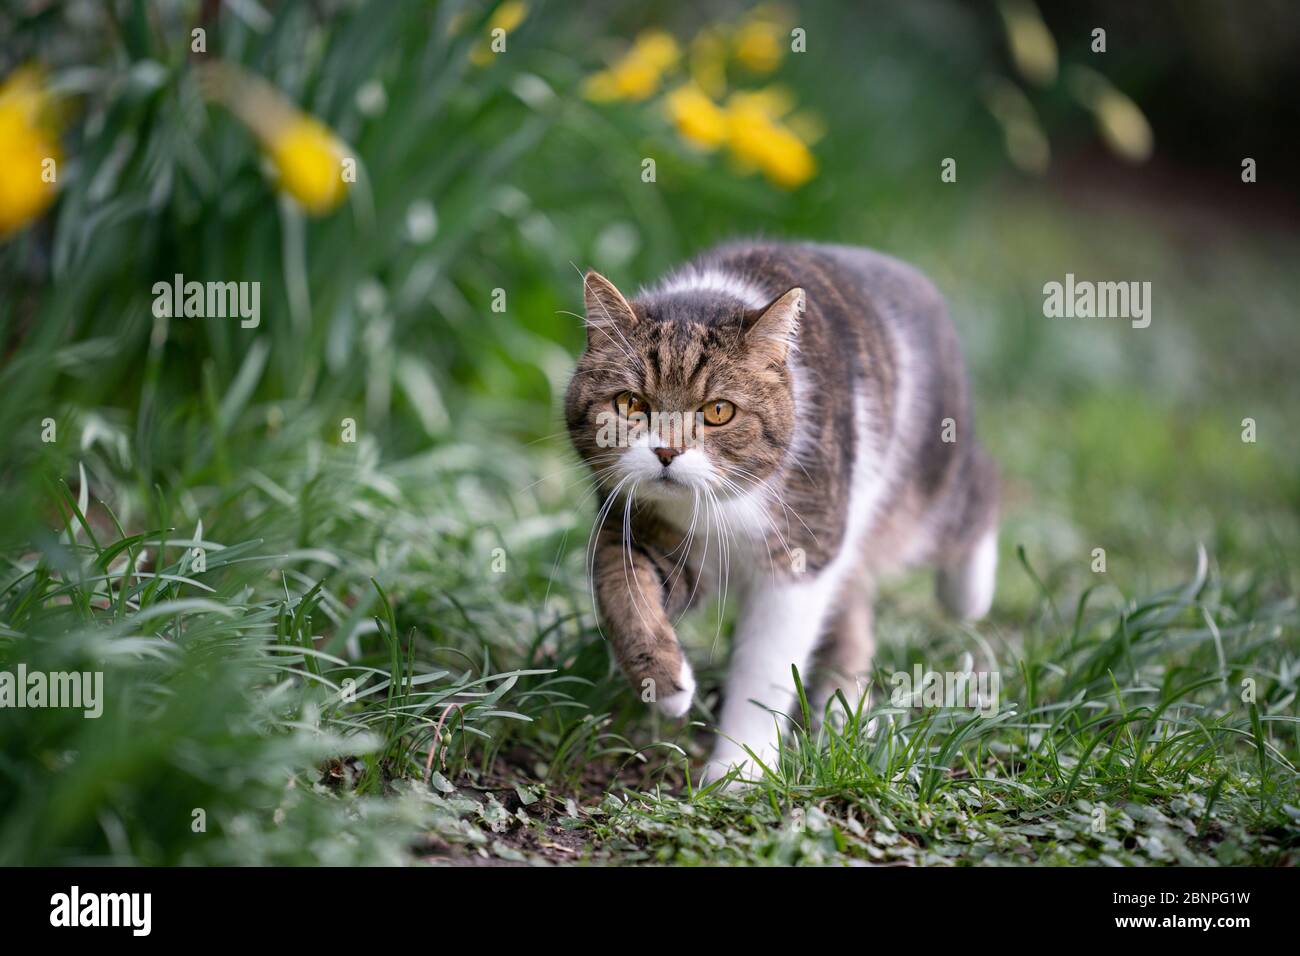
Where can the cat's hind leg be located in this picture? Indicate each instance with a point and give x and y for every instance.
(967, 566)
(844, 658)
(965, 583)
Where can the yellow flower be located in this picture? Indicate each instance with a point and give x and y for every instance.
(1121, 121)
(505, 18)
(629, 80)
(508, 16)
(708, 62)
(27, 142)
(774, 102)
(759, 140)
(760, 40)
(637, 75)
(1123, 126)
(758, 46)
(1032, 45)
(310, 162)
(656, 48)
(807, 127)
(1026, 143)
(698, 119)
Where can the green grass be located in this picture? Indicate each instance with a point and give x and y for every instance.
(389, 654)
(224, 694)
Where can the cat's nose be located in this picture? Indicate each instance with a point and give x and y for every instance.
(666, 455)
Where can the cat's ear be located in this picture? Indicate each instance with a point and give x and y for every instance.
(771, 332)
(607, 310)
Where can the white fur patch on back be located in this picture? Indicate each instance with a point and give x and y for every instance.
(893, 460)
(870, 478)
(693, 279)
(802, 441)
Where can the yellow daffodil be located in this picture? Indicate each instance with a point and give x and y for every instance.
(311, 163)
(758, 140)
(505, 18)
(509, 15)
(761, 38)
(698, 119)
(631, 80)
(638, 74)
(807, 127)
(29, 150)
(752, 124)
(759, 47)
(657, 48)
(1032, 47)
(774, 102)
(1026, 143)
(708, 62)
(1122, 124)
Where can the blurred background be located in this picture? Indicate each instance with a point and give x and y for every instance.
(500, 150)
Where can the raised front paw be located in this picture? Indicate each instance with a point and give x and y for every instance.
(677, 703)
(660, 672)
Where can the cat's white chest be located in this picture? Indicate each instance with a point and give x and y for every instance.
(728, 536)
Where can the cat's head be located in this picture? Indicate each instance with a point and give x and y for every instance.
(680, 392)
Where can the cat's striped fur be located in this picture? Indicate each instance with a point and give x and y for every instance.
(851, 454)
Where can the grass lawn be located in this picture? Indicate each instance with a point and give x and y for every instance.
(325, 645)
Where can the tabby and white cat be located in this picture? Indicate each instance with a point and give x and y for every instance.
(828, 440)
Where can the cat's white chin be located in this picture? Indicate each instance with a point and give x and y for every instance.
(661, 488)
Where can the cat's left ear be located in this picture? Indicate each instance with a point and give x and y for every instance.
(607, 310)
(774, 330)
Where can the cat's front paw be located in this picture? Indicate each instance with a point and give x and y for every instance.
(678, 703)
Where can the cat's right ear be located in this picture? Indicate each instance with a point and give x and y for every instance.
(773, 331)
(607, 310)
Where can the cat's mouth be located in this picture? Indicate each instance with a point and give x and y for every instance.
(667, 484)
(668, 478)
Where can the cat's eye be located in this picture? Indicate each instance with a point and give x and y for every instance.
(718, 411)
(627, 403)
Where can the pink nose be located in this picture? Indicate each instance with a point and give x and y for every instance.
(666, 455)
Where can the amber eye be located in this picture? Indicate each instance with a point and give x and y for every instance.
(718, 411)
(625, 403)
